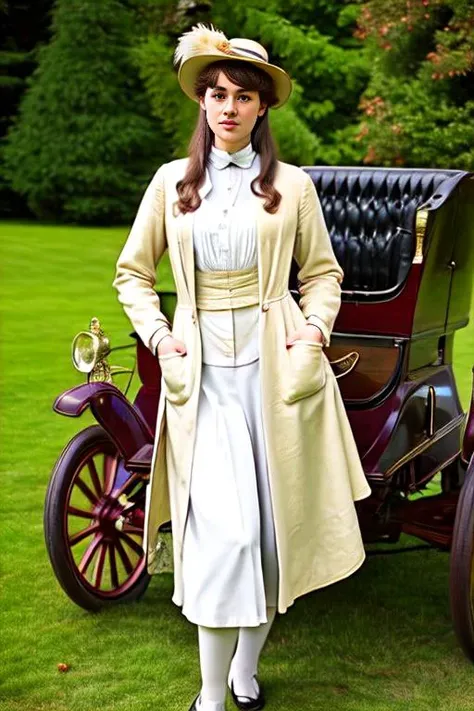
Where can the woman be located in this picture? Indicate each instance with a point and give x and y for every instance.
(254, 458)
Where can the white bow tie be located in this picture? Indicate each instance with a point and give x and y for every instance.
(243, 158)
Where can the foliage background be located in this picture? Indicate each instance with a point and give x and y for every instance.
(93, 105)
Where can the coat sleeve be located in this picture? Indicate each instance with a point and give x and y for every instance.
(319, 275)
(136, 266)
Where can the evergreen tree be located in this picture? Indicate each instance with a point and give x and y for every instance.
(314, 42)
(153, 58)
(24, 24)
(84, 145)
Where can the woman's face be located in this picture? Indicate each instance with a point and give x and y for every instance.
(228, 102)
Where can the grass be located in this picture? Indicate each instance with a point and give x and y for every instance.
(382, 639)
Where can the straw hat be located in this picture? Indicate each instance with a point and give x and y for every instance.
(202, 46)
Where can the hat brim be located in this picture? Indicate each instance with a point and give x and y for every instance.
(192, 67)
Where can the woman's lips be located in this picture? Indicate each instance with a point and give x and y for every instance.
(229, 125)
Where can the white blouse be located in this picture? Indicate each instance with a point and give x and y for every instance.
(225, 238)
(224, 226)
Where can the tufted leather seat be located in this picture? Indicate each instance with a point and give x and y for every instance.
(370, 214)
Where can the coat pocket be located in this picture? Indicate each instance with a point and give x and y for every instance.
(174, 370)
(305, 372)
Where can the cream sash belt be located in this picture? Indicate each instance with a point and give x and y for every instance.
(216, 290)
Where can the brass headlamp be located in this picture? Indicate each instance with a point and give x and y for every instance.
(89, 352)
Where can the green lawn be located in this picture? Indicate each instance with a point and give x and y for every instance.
(381, 639)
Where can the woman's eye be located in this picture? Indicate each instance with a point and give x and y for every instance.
(219, 95)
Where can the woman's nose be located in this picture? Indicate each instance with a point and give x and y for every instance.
(230, 107)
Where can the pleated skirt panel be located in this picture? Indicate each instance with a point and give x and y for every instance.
(230, 565)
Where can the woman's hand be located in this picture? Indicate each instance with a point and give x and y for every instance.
(168, 344)
(305, 333)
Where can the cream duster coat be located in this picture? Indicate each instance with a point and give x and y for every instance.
(314, 468)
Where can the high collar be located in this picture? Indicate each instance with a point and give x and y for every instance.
(243, 158)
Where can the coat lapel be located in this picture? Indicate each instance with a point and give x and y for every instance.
(269, 227)
(185, 242)
(184, 226)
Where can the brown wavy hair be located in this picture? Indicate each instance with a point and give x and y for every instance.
(251, 78)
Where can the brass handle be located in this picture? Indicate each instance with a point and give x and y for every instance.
(343, 366)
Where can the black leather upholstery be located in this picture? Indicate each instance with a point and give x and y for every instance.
(363, 207)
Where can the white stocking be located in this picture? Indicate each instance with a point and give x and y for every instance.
(216, 646)
(245, 661)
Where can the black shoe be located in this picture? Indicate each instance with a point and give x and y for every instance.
(194, 705)
(248, 703)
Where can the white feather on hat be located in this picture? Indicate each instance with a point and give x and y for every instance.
(200, 40)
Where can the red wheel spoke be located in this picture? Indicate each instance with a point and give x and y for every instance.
(110, 470)
(89, 554)
(99, 565)
(94, 477)
(133, 544)
(80, 535)
(74, 511)
(128, 528)
(85, 490)
(127, 563)
(113, 567)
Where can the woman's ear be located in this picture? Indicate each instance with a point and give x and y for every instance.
(201, 103)
(262, 109)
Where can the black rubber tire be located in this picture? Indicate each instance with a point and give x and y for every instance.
(462, 566)
(88, 440)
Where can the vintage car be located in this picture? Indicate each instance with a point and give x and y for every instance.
(405, 239)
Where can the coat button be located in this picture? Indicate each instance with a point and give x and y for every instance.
(265, 307)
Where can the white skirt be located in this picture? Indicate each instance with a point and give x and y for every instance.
(230, 567)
